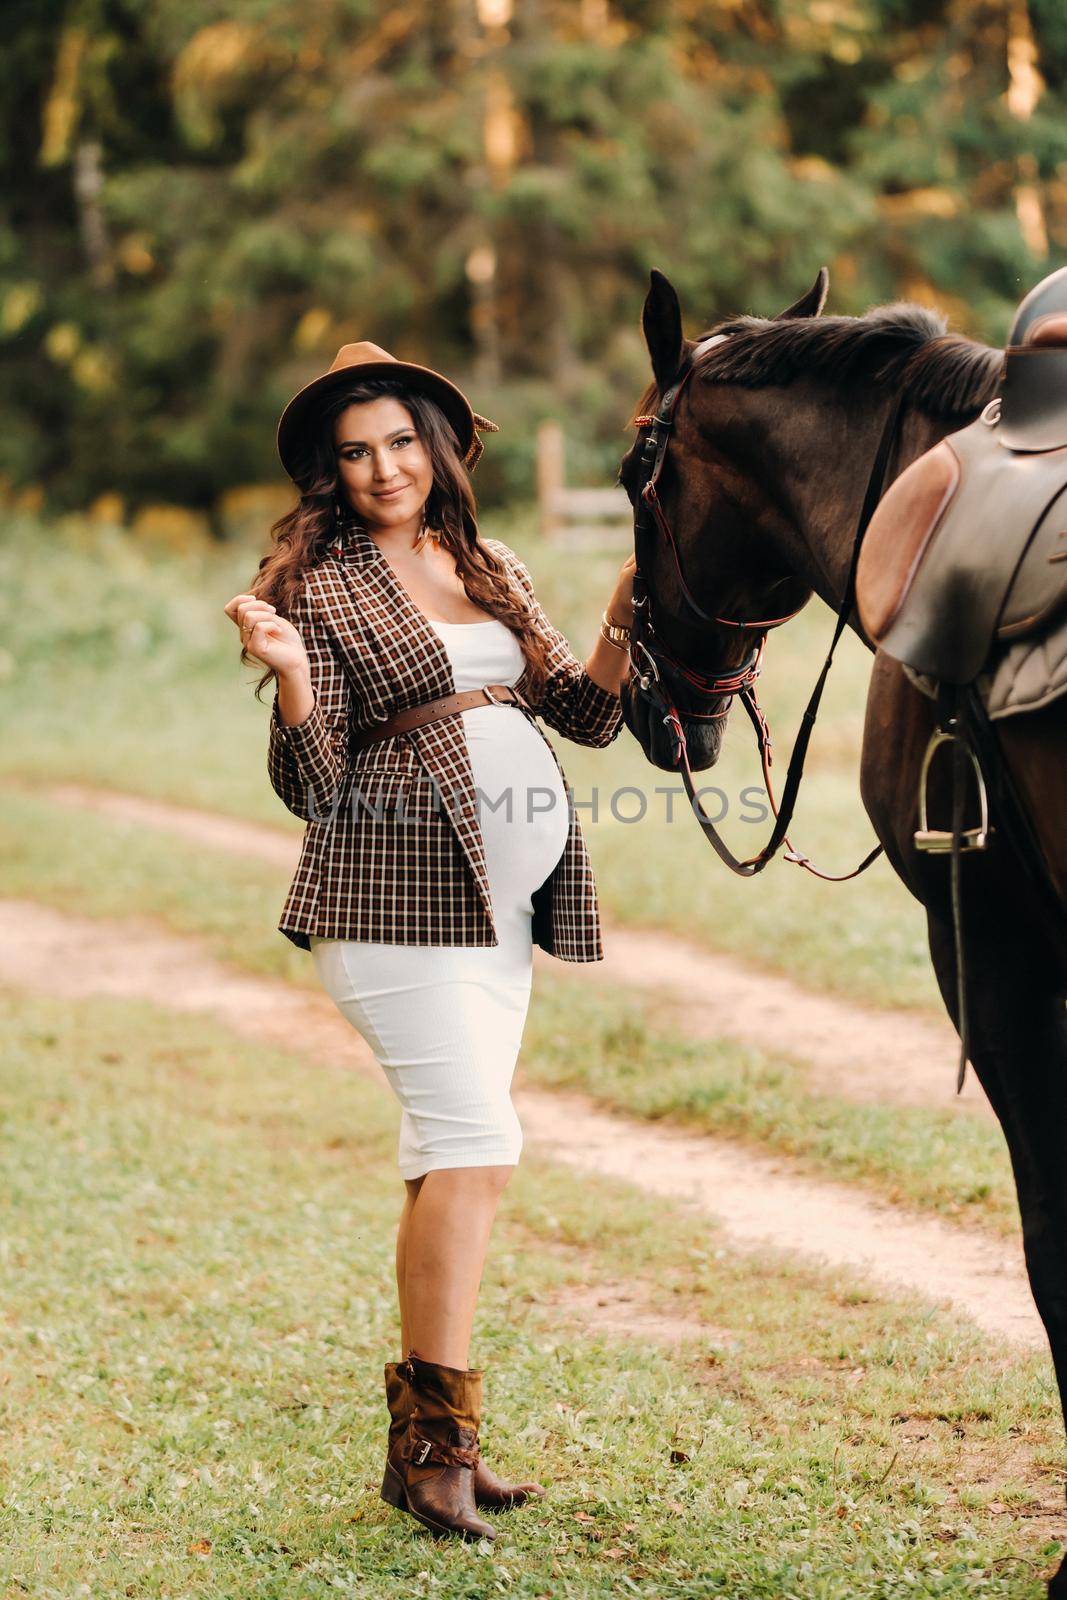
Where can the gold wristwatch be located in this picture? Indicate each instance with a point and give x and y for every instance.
(614, 634)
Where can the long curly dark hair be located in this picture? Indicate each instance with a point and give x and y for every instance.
(300, 538)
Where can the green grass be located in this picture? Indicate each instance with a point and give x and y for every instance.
(97, 866)
(609, 1043)
(197, 1299)
(195, 1266)
(119, 668)
(615, 1045)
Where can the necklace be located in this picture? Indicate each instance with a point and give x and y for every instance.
(348, 520)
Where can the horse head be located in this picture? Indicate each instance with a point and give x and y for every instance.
(709, 584)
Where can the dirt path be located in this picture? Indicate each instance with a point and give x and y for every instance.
(761, 1202)
(758, 1201)
(858, 1052)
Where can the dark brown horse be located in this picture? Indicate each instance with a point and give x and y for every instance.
(762, 484)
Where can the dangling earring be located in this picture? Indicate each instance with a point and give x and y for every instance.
(424, 533)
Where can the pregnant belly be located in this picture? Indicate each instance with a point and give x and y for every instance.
(522, 804)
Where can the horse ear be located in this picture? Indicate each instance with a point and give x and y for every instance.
(661, 320)
(811, 303)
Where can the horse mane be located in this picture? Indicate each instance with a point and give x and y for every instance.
(944, 374)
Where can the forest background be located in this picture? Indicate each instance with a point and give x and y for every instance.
(200, 202)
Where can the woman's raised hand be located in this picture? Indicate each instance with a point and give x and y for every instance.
(267, 636)
(620, 607)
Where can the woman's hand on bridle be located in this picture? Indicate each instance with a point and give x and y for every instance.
(620, 607)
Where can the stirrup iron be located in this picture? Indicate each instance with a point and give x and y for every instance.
(938, 841)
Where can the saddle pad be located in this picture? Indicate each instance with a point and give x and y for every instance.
(970, 540)
(1025, 676)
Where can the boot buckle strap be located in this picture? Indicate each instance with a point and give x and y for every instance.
(420, 1450)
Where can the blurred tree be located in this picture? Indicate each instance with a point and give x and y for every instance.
(202, 201)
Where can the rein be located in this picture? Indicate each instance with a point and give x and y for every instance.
(738, 681)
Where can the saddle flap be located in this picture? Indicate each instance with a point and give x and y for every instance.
(1038, 592)
(899, 532)
(979, 565)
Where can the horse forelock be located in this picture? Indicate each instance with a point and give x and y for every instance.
(946, 375)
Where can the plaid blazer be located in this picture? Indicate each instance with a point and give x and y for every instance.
(364, 872)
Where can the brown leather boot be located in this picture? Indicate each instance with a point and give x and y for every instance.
(489, 1490)
(429, 1470)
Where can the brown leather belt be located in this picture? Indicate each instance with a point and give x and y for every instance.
(445, 705)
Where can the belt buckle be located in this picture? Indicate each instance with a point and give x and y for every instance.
(517, 699)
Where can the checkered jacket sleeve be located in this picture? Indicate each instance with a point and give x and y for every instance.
(573, 704)
(306, 760)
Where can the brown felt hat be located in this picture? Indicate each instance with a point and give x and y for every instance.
(354, 362)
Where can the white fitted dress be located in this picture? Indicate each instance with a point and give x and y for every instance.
(445, 1021)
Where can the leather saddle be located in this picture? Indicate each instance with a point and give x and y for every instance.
(963, 572)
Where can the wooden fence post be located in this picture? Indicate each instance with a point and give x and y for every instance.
(549, 475)
(578, 518)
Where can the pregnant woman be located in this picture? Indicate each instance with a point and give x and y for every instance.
(410, 656)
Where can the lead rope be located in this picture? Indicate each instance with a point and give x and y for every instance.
(793, 855)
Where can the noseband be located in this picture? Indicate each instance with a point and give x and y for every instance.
(714, 692)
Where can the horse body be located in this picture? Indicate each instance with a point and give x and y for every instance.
(762, 483)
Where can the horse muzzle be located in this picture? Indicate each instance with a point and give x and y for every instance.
(657, 729)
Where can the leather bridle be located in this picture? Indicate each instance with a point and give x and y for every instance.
(653, 666)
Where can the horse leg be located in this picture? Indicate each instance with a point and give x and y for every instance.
(1015, 1002)
(1015, 971)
